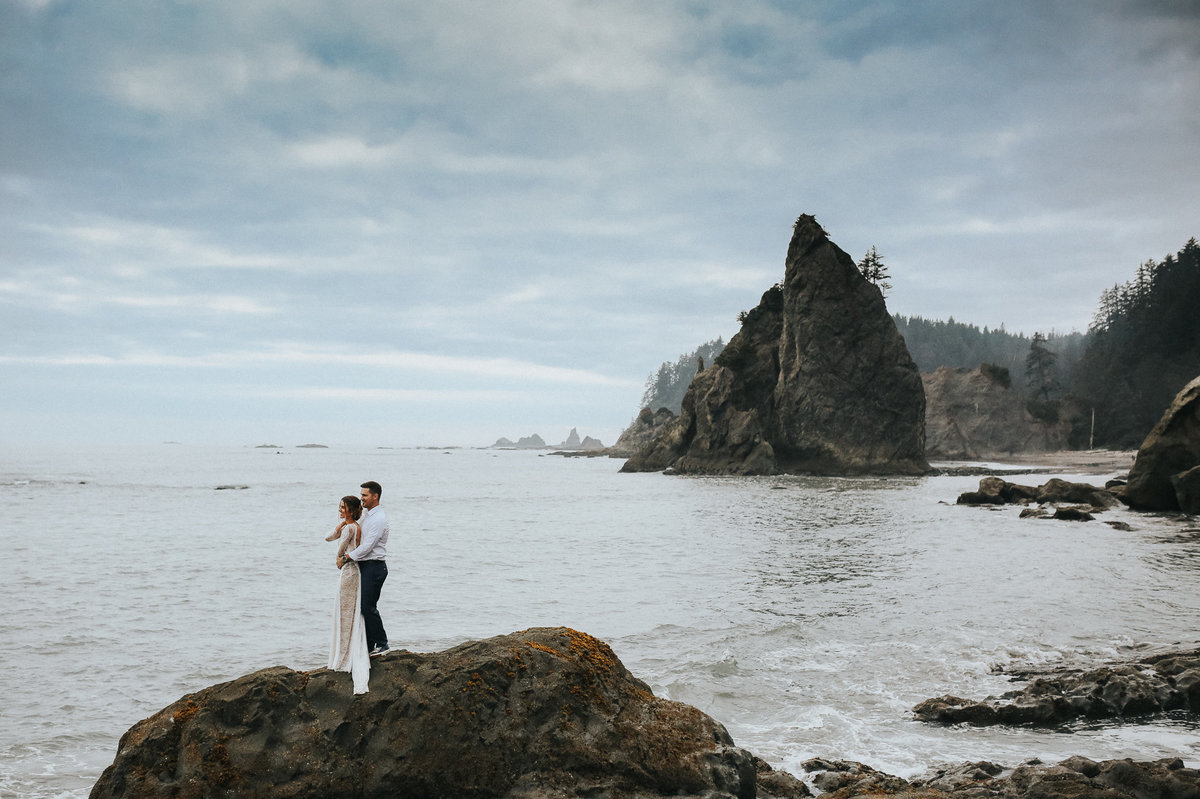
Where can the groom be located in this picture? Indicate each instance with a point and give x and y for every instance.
(370, 555)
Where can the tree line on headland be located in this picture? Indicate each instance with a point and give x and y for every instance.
(1113, 382)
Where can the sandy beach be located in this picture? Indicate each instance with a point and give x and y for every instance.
(1092, 461)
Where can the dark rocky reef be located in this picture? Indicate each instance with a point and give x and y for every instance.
(975, 413)
(817, 380)
(998, 491)
(1056, 498)
(1155, 684)
(1074, 778)
(547, 712)
(1166, 474)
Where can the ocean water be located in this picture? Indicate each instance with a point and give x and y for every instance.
(809, 615)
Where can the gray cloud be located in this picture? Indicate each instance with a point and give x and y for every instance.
(577, 186)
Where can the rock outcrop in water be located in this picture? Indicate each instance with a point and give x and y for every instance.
(975, 413)
(1074, 778)
(817, 380)
(1153, 685)
(997, 491)
(1166, 474)
(547, 713)
(536, 714)
(1056, 499)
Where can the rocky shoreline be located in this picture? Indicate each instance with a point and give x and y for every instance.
(1157, 684)
(552, 713)
(1073, 778)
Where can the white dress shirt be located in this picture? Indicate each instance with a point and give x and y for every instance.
(375, 530)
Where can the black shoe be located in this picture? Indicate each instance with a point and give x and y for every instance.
(378, 650)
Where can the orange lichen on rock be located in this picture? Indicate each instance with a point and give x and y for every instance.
(543, 648)
(593, 650)
(186, 712)
(484, 718)
(476, 683)
(640, 694)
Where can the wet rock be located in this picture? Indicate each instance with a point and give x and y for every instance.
(1074, 514)
(980, 498)
(951, 709)
(1187, 490)
(1169, 453)
(1074, 778)
(1152, 685)
(1057, 490)
(548, 712)
(1084, 499)
(834, 776)
(817, 380)
(772, 784)
(962, 776)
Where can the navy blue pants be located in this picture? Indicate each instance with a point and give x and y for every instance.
(373, 573)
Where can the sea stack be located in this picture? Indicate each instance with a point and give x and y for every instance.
(818, 380)
(1166, 474)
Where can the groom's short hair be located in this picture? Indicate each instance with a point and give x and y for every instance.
(373, 487)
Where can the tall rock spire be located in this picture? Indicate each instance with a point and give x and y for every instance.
(818, 380)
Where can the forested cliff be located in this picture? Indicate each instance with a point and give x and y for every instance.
(1142, 347)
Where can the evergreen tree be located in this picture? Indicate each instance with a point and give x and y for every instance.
(1144, 346)
(873, 269)
(1040, 368)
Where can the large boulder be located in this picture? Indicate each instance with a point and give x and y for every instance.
(547, 712)
(976, 413)
(1159, 479)
(817, 380)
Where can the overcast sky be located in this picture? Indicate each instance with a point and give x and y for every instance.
(429, 223)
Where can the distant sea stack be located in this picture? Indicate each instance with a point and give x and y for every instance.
(817, 380)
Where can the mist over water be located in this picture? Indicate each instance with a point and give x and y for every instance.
(809, 615)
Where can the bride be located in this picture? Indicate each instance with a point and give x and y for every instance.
(348, 649)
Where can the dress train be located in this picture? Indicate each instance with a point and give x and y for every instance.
(348, 647)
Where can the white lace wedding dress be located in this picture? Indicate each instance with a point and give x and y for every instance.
(348, 648)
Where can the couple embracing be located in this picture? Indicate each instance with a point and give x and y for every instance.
(358, 633)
